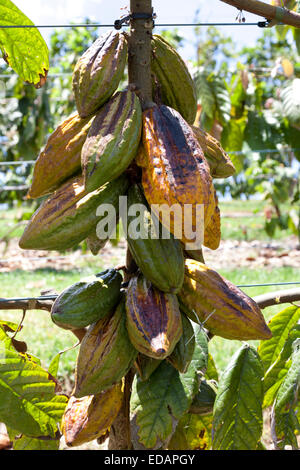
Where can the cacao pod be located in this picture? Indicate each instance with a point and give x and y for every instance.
(95, 244)
(175, 173)
(176, 86)
(112, 141)
(145, 366)
(160, 260)
(98, 72)
(195, 254)
(153, 318)
(68, 216)
(223, 308)
(88, 418)
(105, 355)
(183, 352)
(219, 162)
(86, 302)
(212, 232)
(203, 402)
(61, 157)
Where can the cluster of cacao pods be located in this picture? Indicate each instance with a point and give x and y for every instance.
(156, 157)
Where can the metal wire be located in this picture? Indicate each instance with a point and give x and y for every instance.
(95, 25)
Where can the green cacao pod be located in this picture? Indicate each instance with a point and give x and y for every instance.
(153, 318)
(105, 355)
(175, 174)
(112, 141)
(175, 84)
(224, 309)
(183, 352)
(145, 366)
(160, 260)
(61, 157)
(86, 302)
(88, 418)
(219, 162)
(204, 400)
(98, 72)
(69, 215)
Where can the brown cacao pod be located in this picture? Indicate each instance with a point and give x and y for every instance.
(212, 232)
(175, 173)
(183, 352)
(61, 157)
(105, 355)
(112, 141)
(219, 162)
(88, 418)
(69, 215)
(153, 318)
(225, 310)
(98, 72)
(174, 82)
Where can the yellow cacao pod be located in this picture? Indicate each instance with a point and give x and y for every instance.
(88, 418)
(225, 310)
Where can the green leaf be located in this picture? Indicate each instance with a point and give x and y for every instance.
(280, 325)
(284, 418)
(291, 101)
(205, 94)
(238, 422)
(54, 365)
(211, 371)
(277, 372)
(158, 404)
(28, 402)
(29, 443)
(24, 49)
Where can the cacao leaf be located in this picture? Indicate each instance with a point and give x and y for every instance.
(291, 101)
(29, 443)
(23, 49)
(192, 433)
(28, 402)
(237, 421)
(284, 420)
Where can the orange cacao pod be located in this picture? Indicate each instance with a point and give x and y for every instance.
(226, 311)
(153, 318)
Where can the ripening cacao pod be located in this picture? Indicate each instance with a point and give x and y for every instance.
(87, 301)
(145, 366)
(195, 254)
(225, 310)
(219, 162)
(61, 157)
(204, 400)
(183, 352)
(113, 140)
(172, 79)
(175, 174)
(95, 244)
(69, 215)
(160, 260)
(153, 318)
(98, 72)
(105, 355)
(88, 418)
(212, 232)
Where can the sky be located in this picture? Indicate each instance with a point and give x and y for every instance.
(168, 11)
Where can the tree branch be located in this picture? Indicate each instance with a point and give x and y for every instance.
(270, 12)
(277, 298)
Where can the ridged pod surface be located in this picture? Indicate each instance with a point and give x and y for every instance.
(61, 157)
(112, 141)
(227, 311)
(176, 86)
(219, 162)
(153, 318)
(98, 72)
(183, 352)
(175, 172)
(105, 355)
(88, 418)
(212, 232)
(160, 260)
(69, 215)
(85, 302)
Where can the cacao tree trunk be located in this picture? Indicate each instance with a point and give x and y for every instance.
(139, 75)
